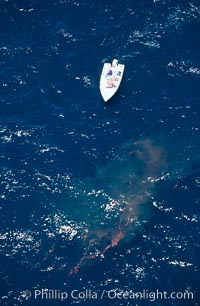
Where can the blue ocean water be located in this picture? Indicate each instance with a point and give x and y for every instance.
(99, 196)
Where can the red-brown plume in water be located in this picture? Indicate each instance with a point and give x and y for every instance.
(130, 178)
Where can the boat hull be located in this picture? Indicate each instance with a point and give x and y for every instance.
(110, 80)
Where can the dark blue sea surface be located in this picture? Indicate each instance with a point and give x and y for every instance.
(99, 200)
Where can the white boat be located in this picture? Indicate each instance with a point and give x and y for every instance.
(110, 80)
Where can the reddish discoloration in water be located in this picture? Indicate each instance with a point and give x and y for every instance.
(100, 241)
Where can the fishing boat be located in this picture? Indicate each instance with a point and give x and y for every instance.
(111, 78)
